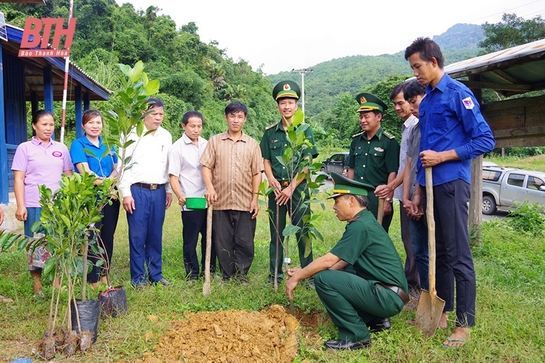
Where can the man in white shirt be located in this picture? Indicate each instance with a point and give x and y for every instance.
(146, 196)
(185, 172)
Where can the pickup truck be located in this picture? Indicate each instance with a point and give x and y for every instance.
(503, 186)
(337, 162)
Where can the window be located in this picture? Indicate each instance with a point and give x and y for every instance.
(516, 180)
(491, 175)
(534, 183)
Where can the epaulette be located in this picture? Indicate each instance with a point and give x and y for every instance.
(271, 126)
(388, 135)
(356, 135)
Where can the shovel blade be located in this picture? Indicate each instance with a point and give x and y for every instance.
(428, 313)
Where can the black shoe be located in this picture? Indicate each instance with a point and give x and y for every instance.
(343, 344)
(379, 324)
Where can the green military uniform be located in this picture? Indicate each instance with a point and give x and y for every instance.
(354, 299)
(273, 144)
(374, 159)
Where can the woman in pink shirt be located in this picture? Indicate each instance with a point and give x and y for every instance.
(36, 162)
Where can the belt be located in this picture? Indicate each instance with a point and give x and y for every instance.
(149, 186)
(399, 291)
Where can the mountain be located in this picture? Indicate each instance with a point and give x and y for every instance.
(461, 36)
(330, 80)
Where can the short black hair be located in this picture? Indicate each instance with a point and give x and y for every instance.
(400, 87)
(428, 49)
(41, 113)
(154, 102)
(189, 114)
(413, 88)
(235, 107)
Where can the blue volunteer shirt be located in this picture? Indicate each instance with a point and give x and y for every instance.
(450, 118)
(98, 162)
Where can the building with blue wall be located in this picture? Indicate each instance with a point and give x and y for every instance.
(24, 84)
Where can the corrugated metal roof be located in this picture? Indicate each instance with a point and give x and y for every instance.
(510, 71)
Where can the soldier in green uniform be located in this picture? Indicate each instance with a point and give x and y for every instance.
(289, 190)
(360, 301)
(374, 153)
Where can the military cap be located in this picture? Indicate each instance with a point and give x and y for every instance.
(345, 186)
(287, 89)
(370, 102)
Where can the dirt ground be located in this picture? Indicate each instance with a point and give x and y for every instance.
(236, 336)
(271, 335)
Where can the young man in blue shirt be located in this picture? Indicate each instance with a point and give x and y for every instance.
(453, 131)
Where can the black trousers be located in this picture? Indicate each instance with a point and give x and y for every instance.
(194, 223)
(454, 260)
(233, 232)
(105, 240)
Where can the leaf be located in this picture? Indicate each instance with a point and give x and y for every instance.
(298, 117)
(153, 87)
(290, 230)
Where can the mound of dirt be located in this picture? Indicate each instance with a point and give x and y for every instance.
(229, 336)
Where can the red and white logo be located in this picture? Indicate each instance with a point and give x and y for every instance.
(38, 32)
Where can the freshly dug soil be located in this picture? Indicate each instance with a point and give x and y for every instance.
(230, 336)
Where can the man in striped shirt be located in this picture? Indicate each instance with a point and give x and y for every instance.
(232, 169)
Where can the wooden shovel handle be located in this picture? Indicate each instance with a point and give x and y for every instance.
(380, 210)
(431, 229)
(206, 286)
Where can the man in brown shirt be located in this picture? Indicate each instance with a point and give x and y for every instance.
(232, 169)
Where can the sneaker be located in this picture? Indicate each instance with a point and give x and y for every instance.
(163, 282)
(138, 286)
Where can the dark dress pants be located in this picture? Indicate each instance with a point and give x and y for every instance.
(194, 223)
(454, 259)
(105, 240)
(233, 232)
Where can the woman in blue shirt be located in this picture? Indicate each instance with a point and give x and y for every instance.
(95, 160)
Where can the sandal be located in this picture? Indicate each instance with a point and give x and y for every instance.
(39, 295)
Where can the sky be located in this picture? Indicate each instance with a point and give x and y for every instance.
(299, 34)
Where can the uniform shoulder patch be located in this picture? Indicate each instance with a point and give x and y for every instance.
(271, 126)
(356, 135)
(388, 135)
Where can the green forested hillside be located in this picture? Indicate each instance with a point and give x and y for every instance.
(200, 76)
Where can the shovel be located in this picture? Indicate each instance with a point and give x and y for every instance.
(380, 210)
(206, 286)
(430, 306)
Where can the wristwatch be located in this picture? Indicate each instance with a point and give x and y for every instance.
(389, 200)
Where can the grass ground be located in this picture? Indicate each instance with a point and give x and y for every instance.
(510, 303)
